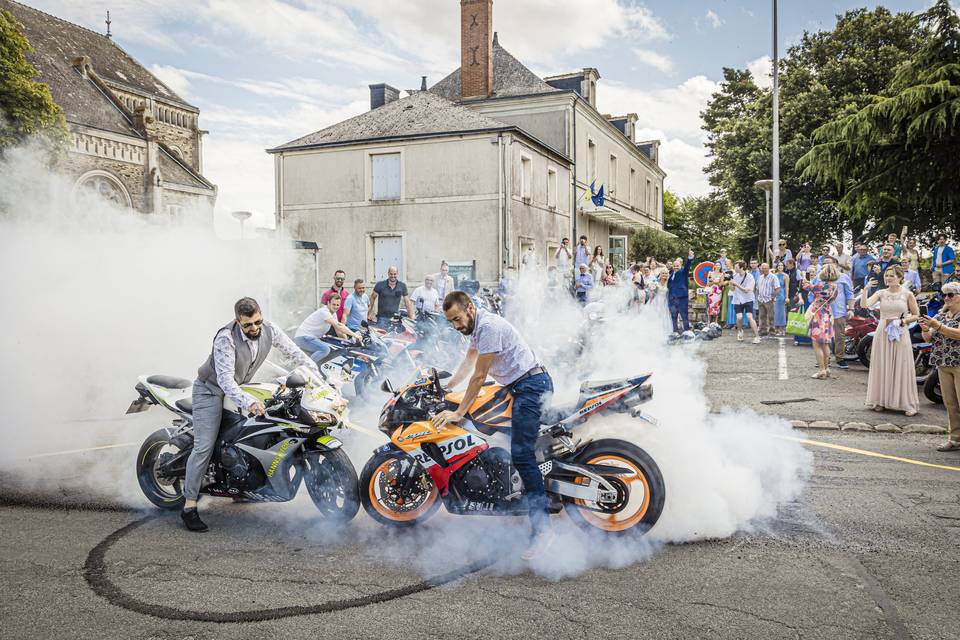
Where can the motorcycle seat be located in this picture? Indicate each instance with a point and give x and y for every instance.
(169, 382)
(185, 405)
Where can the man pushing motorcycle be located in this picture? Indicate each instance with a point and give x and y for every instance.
(498, 349)
(239, 349)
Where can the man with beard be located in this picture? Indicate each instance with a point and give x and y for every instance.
(498, 349)
(239, 349)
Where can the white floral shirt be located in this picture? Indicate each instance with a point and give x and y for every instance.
(225, 359)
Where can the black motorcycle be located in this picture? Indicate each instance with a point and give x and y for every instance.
(260, 459)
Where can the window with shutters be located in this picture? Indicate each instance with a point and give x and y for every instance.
(552, 188)
(385, 176)
(526, 178)
(612, 177)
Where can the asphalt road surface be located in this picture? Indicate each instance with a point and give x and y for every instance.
(868, 551)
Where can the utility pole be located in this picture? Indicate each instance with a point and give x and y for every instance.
(242, 217)
(775, 189)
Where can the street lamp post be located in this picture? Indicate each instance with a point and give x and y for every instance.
(775, 188)
(767, 186)
(242, 217)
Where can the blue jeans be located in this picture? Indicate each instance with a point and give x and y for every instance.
(316, 348)
(528, 396)
(678, 306)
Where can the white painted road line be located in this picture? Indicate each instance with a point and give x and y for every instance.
(63, 453)
(782, 359)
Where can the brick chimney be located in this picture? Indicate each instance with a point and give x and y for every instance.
(476, 48)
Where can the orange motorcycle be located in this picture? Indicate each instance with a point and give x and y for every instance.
(608, 485)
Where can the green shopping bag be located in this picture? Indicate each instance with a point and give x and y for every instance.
(797, 323)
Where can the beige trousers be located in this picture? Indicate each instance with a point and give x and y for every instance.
(950, 388)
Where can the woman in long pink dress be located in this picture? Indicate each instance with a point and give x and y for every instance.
(820, 315)
(892, 383)
(715, 295)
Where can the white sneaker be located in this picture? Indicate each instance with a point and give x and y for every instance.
(756, 340)
(739, 335)
(539, 545)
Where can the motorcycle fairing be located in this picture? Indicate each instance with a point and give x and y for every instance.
(440, 451)
(492, 408)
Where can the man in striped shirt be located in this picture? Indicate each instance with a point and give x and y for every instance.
(767, 287)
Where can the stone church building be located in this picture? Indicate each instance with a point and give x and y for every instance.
(132, 139)
(485, 169)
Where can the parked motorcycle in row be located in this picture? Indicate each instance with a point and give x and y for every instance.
(609, 485)
(261, 459)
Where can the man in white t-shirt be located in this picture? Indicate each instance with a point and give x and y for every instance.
(322, 322)
(426, 297)
(742, 285)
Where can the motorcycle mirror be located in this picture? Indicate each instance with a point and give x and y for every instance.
(364, 324)
(443, 374)
(386, 386)
(295, 381)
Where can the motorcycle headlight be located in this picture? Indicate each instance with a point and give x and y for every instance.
(323, 418)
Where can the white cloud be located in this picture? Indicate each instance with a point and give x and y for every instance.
(714, 19)
(319, 32)
(536, 31)
(654, 59)
(762, 70)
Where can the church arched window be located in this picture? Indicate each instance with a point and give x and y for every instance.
(106, 186)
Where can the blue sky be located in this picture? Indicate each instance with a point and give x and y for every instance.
(264, 72)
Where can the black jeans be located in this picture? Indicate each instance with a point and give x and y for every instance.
(528, 395)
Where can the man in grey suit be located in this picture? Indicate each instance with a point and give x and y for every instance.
(239, 349)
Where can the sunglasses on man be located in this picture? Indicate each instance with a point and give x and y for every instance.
(248, 325)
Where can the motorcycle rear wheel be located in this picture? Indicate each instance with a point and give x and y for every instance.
(332, 485)
(380, 497)
(931, 388)
(166, 493)
(642, 491)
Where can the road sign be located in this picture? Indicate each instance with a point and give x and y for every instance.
(701, 275)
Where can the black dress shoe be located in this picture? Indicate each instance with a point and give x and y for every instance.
(192, 521)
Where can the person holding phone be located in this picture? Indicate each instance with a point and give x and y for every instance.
(892, 383)
(943, 331)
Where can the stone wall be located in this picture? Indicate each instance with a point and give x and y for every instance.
(130, 175)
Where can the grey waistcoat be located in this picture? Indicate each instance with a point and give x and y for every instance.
(245, 366)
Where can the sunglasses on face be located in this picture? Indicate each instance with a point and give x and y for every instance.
(949, 295)
(255, 323)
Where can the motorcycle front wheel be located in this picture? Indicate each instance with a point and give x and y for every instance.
(331, 482)
(163, 491)
(388, 502)
(641, 491)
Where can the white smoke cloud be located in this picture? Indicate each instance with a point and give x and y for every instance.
(96, 296)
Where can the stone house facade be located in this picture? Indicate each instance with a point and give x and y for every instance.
(132, 139)
(482, 167)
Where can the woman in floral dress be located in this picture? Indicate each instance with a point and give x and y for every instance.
(820, 316)
(715, 294)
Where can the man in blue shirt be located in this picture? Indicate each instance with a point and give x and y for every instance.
(582, 255)
(678, 300)
(860, 266)
(357, 306)
(583, 284)
(842, 308)
(944, 260)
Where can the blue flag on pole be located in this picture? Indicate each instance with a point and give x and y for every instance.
(597, 197)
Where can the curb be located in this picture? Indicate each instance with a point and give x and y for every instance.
(883, 427)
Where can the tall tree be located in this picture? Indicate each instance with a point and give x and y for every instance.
(26, 107)
(705, 224)
(825, 75)
(897, 158)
